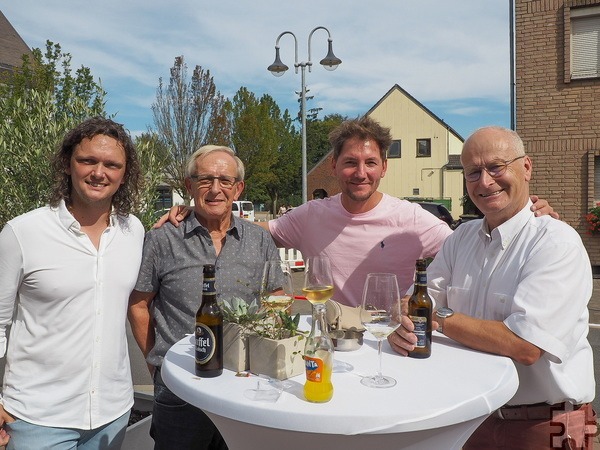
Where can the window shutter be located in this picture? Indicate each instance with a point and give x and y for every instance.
(585, 47)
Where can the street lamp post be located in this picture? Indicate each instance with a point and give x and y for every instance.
(278, 68)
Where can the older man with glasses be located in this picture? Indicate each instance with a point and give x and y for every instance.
(517, 285)
(163, 305)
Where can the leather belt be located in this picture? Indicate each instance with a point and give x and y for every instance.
(537, 411)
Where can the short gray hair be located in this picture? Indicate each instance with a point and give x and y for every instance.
(208, 149)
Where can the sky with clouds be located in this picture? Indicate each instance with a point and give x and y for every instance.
(451, 55)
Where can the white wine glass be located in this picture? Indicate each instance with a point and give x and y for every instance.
(381, 302)
(276, 288)
(318, 282)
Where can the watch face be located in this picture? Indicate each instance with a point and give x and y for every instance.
(444, 312)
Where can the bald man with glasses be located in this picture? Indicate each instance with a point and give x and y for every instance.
(517, 285)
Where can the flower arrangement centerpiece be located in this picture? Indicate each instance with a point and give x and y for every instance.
(238, 315)
(261, 340)
(276, 345)
(593, 219)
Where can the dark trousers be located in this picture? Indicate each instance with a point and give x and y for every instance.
(177, 425)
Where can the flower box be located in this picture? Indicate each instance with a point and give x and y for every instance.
(235, 347)
(279, 359)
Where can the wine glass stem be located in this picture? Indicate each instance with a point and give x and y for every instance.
(379, 375)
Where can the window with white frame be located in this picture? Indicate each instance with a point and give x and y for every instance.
(585, 42)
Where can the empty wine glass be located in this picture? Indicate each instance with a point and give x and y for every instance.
(276, 288)
(381, 300)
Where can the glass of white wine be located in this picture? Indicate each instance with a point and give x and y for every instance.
(318, 350)
(381, 300)
(318, 282)
(276, 288)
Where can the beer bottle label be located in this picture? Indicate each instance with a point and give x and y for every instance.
(421, 279)
(208, 286)
(205, 343)
(314, 369)
(420, 330)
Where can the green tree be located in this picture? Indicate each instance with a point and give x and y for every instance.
(51, 72)
(262, 137)
(317, 137)
(188, 114)
(153, 156)
(39, 103)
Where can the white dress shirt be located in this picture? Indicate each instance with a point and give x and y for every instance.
(532, 273)
(67, 363)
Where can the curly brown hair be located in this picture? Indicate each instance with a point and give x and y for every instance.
(126, 197)
(362, 128)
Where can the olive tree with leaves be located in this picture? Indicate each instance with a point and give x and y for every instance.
(188, 113)
(39, 103)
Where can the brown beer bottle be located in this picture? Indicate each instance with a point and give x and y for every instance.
(209, 329)
(419, 311)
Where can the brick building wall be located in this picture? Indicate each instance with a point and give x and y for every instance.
(322, 177)
(557, 117)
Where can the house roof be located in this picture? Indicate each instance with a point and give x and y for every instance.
(420, 105)
(453, 160)
(12, 46)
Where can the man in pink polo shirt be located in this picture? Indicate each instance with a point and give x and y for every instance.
(363, 230)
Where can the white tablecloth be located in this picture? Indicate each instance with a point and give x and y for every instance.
(444, 398)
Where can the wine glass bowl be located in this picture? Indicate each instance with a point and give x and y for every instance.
(276, 292)
(318, 282)
(381, 302)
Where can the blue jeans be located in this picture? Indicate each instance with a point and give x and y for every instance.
(25, 435)
(177, 425)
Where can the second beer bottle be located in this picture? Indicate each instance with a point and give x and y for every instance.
(419, 311)
(209, 329)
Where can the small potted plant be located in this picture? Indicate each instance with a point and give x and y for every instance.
(276, 345)
(238, 315)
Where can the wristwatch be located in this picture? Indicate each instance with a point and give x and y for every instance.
(442, 314)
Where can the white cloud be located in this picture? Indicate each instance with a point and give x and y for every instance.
(437, 50)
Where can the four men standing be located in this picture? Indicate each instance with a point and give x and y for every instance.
(518, 284)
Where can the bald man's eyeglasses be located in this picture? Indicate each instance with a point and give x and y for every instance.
(494, 169)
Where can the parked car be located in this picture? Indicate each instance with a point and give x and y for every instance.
(439, 211)
(243, 209)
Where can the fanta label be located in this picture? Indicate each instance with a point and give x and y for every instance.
(314, 369)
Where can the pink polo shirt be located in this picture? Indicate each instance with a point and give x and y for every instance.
(389, 238)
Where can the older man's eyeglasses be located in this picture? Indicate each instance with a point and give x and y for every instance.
(495, 169)
(205, 181)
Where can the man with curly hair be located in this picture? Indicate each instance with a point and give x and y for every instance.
(66, 272)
